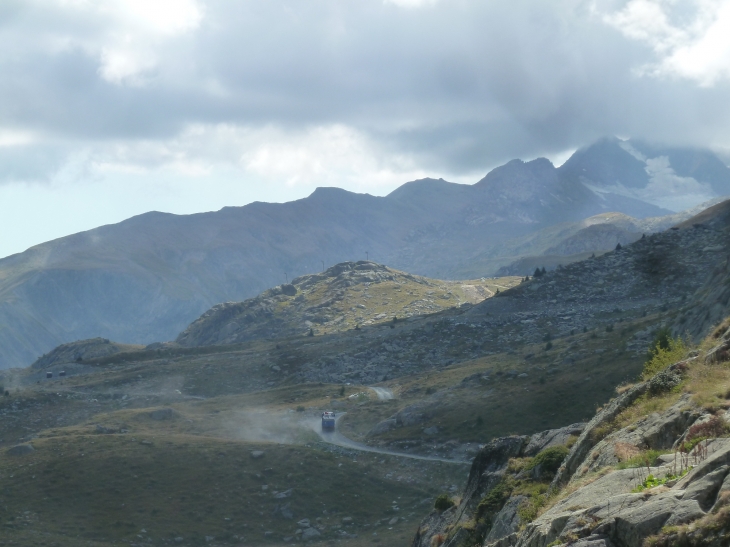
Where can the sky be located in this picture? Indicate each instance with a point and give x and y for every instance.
(111, 108)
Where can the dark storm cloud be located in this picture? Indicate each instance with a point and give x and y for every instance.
(459, 85)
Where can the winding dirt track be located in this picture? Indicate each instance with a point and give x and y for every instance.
(338, 439)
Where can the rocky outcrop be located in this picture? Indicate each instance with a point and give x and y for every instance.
(607, 507)
(326, 300)
(81, 351)
(611, 490)
(488, 471)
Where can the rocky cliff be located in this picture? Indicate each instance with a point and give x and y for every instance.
(652, 468)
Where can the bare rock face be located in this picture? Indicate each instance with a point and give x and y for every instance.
(552, 437)
(657, 431)
(593, 502)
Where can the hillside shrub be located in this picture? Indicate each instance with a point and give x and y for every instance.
(549, 459)
(648, 458)
(712, 428)
(663, 352)
(443, 502)
(495, 498)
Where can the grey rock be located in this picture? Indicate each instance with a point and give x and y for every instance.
(284, 511)
(705, 489)
(552, 437)
(631, 526)
(507, 521)
(284, 494)
(686, 511)
(383, 427)
(310, 533)
(161, 414)
(595, 540)
(257, 454)
(20, 450)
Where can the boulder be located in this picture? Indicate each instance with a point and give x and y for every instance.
(507, 521)
(310, 533)
(20, 450)
(383, 427)
(705, 489)
(161, 414)
(552, 437)
(686, 511)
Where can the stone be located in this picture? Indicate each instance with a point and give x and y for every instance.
(393, 521)
(595, 540)
(705, 489)
(284, 494)
(383, 427)
(347, 520)
(161, 414)
(507, 521)
(257, 454)
(20, 450)
(632, 525)
(686, 511)
(304, 523)
(310, 534)
(552, 437)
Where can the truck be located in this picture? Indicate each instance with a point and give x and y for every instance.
(328, 421)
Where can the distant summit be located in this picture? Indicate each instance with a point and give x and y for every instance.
(145, 279)
(668, 177)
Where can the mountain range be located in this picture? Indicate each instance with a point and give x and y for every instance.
(145, 279)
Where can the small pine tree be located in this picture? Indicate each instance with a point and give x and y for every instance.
(543, 272)
(311, 332)
(537, 273)
(618, 246)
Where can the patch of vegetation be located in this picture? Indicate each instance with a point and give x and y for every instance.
(443, 502)
(549, 460)
(648, 458)
(663, 352)
(652, 482)
(495, 499)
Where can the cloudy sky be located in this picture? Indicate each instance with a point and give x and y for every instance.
(110, 108)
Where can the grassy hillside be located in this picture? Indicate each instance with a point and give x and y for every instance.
(343, 297)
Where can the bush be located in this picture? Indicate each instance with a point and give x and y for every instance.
(712, 428)
(648, 458)
(300, 409)
(663, 352)
(495, 498)
(548, 346)
(549, 459)
(443, 502)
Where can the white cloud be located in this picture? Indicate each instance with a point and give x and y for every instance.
(411, 3)
(697, 47)
(671, 191)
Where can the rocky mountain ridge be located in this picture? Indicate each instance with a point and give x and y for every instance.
(146, 278)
